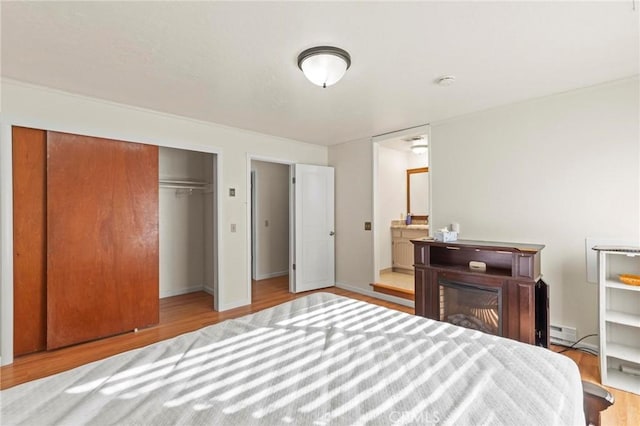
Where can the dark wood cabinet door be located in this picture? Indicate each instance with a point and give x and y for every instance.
(420, 282)
(522, 318)
(102, 237)
(29, 240)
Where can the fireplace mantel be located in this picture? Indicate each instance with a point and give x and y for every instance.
(509, 270)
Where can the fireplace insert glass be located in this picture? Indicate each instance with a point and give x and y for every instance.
(471, 305)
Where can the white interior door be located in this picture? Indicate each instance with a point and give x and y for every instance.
(314, 227)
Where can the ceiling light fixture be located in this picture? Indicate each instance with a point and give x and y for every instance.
(419, 145)
(324, 65)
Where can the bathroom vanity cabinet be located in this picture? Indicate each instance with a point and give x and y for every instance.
(402, 248)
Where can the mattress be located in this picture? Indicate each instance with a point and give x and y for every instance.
(318, 360)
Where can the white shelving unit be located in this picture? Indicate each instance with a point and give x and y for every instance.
(619, 318)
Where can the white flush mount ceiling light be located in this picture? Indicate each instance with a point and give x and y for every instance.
(324, 65)
(419, 145)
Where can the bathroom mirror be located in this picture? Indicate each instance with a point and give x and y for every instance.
(418, 192)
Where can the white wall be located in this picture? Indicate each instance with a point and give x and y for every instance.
(353, 163)
(43, 108)
(552, 171)
(272, 219)
(392, 199)
(354, 189)
(418, 160)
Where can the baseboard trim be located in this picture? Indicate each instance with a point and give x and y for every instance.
(271, 275)
(181, 291)
(564, 343)
(376, 295)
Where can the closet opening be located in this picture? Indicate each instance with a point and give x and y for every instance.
(139, 226)
(187, 222)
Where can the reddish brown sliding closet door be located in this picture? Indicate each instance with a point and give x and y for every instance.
(29, 241)
(102, 237)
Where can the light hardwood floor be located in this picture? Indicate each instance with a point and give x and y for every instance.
(395, 284)
(397, 279)
(625, 410)
(189, 312)
(178, 315)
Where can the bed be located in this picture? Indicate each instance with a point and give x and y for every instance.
(317, 360)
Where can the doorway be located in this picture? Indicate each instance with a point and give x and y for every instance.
(270, 212)
(291, 216)
(395, 167)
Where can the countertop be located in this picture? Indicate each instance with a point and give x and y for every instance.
(412, 226)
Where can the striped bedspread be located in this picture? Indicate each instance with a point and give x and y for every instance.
(318, 360)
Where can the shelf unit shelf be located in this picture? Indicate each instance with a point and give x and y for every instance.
(624, 352)
(620, 380)
(619, 317)
(623, 318)
(621, 286)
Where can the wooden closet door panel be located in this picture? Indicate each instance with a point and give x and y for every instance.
(102, 238)
(29, 240)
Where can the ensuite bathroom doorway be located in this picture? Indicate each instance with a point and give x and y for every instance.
(402, 207)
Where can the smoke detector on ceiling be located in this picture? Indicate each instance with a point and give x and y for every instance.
(446, 80)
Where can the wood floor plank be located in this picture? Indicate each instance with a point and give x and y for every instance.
(625, 410)
(189, 312)
(178, 315)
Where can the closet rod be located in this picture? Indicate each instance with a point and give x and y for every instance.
(182, 184)
(197, 187)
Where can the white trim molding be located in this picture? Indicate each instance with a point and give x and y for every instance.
(6, 243)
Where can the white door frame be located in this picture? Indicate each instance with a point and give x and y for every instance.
(6, 208)
(252, 223)
(251, 157)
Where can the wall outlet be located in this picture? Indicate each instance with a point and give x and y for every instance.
(563, 335)
(232, 192)
(367, 226)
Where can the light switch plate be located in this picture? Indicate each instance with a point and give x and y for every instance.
(367, 226)
(232, 192)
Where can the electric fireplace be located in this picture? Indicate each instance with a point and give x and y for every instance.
(495, 288)
(471, 306)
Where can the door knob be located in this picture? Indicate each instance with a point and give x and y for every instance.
(331, 234)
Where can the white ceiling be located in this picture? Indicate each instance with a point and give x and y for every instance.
(234, 63)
